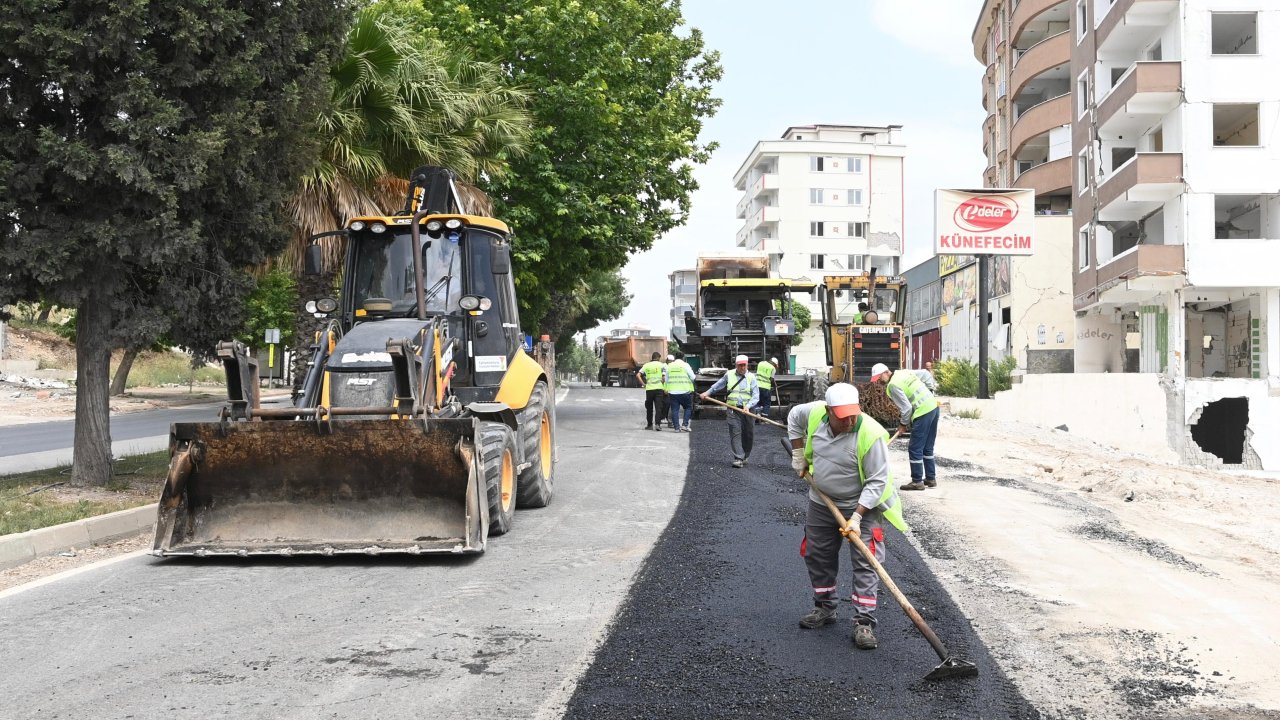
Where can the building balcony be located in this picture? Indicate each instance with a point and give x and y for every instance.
(1040, 119)
(1141, 261)
(1045, 55)
(1047, 178)
(768, 182)
(1140, 186)
(1028, 11)
(1131, 25)
(1146, 92)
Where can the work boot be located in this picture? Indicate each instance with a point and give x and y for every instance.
(648, 427)
(913, 485)
(739, 463)
(931, 482)
(863, 637)
(658, 428)
(819, 616)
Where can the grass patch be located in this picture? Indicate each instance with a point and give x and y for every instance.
(971, 414)
(42, 498)
(168, 368)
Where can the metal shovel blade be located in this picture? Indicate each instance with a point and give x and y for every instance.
(953, 668)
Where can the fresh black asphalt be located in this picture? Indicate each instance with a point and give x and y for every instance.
(709, 630)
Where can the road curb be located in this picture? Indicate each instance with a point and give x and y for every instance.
(21, 548)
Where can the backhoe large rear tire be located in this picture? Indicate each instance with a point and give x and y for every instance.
(537, 437)
(497, 446)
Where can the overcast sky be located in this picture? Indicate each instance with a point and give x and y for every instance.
(850, 62)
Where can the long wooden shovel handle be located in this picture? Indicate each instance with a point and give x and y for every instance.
(745, 412)
(856, 541)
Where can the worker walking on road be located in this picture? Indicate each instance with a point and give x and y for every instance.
(846, 453)
(919, 414)
(650, 375)
(743, 393)
(664, 406)
(680, 391)
(765, 370)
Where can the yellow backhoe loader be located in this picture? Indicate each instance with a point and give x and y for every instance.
(422, 422)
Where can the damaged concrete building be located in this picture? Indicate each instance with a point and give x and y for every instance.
(824, 200)
(1175, 196)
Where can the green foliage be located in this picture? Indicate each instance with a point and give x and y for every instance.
(272, 304)
(799, 311)
(172, 368)
(973, 414)
(623, 88)
(26, 504)
(577, 361)
(595, 297)
(958, 377)
(673, 346)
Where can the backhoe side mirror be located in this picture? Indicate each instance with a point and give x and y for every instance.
(312, 260)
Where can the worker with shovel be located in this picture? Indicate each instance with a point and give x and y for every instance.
(743, 393)
(920, 414)
(846, 455)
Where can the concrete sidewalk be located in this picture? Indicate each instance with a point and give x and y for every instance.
(24, 547)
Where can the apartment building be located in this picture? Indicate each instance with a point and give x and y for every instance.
(684, 301)
(1171, 111)
(824, 200)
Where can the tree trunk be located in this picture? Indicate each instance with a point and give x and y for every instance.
(45, 310)
(122, 373)
(91, 461)
(310, 287)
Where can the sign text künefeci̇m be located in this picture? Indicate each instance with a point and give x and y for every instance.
(990, 221)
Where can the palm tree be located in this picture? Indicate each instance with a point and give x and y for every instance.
(401, 99)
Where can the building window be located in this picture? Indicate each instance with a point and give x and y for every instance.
(1235, 124)
(858, 229)
(854, 164)
(1082, 19)
(1082, 94)
(1082, 173)
(816, 163)
(855, 262)
(815, 196)
(815, 229)
(1234, 33)
(1083, 249)
(854, 197)
(815, 262)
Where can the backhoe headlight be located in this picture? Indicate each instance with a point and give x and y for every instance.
(326, 305)
(469, 302)
(310, 306)
(434, 227)
(485, 303)
(453, 223)
(358, 225)
(378, 228)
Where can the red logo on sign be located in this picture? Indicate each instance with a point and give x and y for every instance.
(986, 213)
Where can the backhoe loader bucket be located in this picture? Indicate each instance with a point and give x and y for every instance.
(296, 487)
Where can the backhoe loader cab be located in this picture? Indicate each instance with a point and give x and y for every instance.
(862, 319)
(421, 423)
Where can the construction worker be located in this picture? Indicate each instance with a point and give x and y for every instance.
(919, 414)
(651, 376)
(765, 370)
(680, 391)
(846, 453)
(743, 392)
(664, 414)
(862, 310)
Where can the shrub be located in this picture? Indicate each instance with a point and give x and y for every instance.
(958, 377)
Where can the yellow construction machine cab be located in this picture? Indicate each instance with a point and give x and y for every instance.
(856, 339)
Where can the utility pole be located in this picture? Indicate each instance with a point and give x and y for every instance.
(983, 300)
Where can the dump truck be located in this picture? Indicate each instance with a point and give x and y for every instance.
(422, 422)
(623, 353)
(743, 309)
(862, 318)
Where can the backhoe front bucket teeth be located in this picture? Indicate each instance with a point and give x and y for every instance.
(337, 487)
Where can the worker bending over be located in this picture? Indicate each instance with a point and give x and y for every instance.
(846, 454)
(919, 415)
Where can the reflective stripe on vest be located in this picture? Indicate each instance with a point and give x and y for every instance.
(868, 432)
(740, 394)
(764, 374)
(922, 401)
(652, 372)
(679, 377)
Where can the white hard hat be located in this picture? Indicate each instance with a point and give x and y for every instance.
(878, 369)
(740, 360)
(671, 358)
(773, 360)
(842, 400)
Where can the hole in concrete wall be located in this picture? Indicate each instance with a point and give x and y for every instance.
(1221, 429)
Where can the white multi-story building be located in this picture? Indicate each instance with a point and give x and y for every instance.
(824, 200)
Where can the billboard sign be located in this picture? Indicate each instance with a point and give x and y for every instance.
(984, 222)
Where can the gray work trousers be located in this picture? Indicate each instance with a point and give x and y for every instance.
(821, 551)
(742, 434)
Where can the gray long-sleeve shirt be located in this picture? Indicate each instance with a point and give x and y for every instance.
(899, 398)
(729, 381)
(835, 462)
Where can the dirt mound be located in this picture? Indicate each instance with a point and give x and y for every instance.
(44, 346)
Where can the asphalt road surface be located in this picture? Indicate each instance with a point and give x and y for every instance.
(710, 630)
(707, 628)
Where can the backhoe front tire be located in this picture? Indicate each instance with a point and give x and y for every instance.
(497, 451)
(537, 438)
